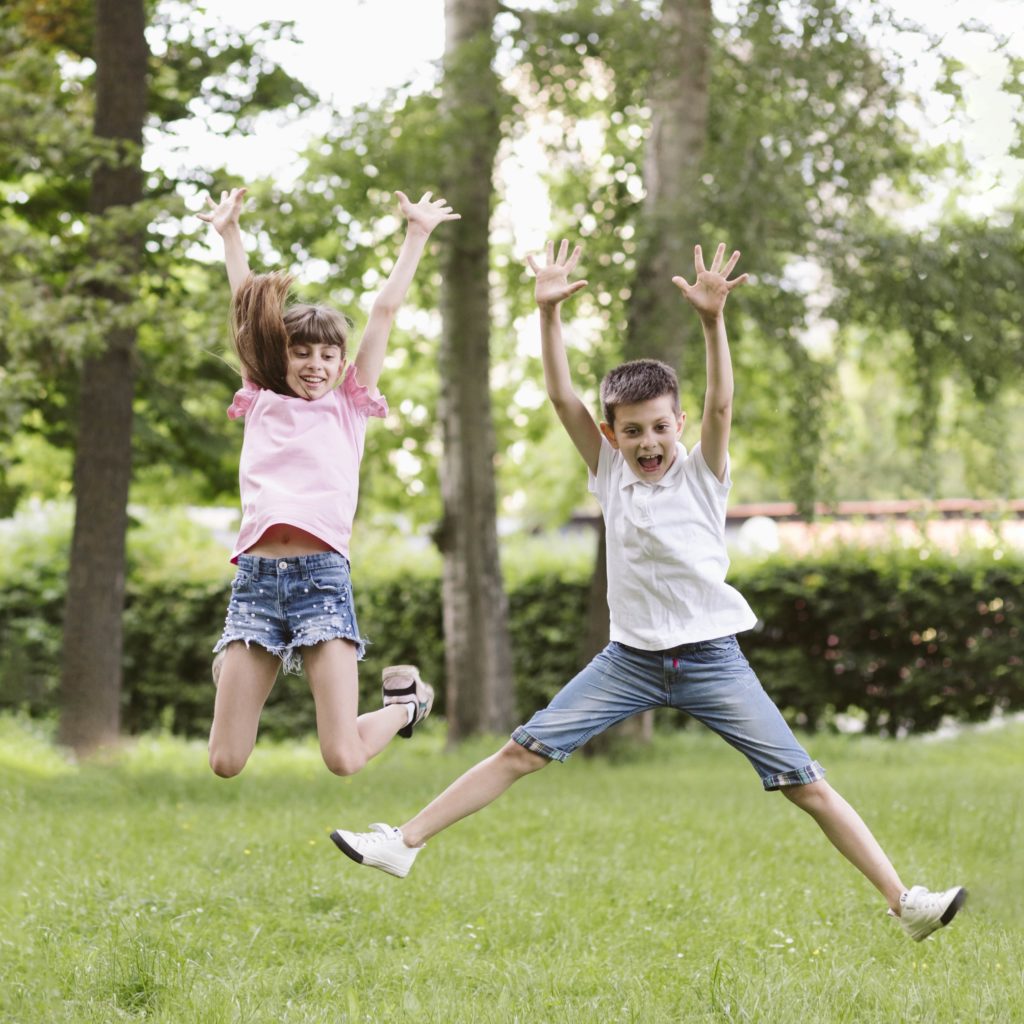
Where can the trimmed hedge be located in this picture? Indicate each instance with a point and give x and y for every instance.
(900, 639)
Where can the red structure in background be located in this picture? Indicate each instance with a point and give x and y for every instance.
(949, 524)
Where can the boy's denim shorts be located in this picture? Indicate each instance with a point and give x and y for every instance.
(710, 680)
(285, 604)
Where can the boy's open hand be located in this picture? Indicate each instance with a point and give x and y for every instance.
(553, 287)
(426, 214)
(708, 294)
(225, 213)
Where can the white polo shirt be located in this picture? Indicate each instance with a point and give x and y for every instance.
(666, 553)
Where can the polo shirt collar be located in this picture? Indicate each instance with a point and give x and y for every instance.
(629, 477)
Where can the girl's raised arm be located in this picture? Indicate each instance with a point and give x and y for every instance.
(421, 218)
(224, 216)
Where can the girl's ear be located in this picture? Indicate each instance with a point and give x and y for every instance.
(609, 432)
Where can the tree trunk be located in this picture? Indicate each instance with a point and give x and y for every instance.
(90, 690)
(478, 662)
(658, 319)
(657, 322)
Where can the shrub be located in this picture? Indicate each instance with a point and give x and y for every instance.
(900, 638)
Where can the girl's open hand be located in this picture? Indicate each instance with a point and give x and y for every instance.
(553, 286)
(708, 293)
(427, 213)
(225, 213)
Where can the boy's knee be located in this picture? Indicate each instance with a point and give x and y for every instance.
(521, 760)
(811, 797)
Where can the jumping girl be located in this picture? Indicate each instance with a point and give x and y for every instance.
(305, 416)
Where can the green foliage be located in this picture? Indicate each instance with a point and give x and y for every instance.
(54, 250)
(899, 638)
(954, 293)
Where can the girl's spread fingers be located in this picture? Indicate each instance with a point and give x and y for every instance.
(562, 250)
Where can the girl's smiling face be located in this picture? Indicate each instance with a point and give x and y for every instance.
(314, 368)
(646, 434)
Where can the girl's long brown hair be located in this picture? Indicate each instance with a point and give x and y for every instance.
(263, 325)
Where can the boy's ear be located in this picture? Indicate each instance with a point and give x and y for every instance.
(680, 423)
(609, 432)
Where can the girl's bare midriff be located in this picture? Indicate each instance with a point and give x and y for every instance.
(284, 541)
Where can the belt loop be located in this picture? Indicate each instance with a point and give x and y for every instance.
(304, 566)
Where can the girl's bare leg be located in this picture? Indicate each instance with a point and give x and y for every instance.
(347, 740)
(850, 836)
(245, 680)
(476, 788)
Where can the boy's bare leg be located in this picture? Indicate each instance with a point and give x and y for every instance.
(850, 836)
(476, 788)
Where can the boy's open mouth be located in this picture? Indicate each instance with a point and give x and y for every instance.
(649, 463)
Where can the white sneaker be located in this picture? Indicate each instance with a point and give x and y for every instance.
(922, 912)
(401, 684)
(382, 848)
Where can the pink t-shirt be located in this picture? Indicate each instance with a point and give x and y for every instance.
(300, 460)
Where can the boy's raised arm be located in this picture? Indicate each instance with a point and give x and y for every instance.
(421, 219)
(224, 216)
(707, 296)
(551, 290)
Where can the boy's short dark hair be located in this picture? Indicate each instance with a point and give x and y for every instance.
(637, 381)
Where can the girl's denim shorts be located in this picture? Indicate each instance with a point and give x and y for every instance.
(285, 604)
(710, 680)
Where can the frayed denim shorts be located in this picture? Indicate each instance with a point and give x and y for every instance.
(710, 680)
(285, 604)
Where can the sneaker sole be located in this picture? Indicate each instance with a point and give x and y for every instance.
(345, 848)
(950, 912)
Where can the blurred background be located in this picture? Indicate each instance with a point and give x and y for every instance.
(866, 158)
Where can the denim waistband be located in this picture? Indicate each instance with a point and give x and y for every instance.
(697, 645)
(303, 565)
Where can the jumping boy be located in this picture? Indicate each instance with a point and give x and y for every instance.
(673, 616)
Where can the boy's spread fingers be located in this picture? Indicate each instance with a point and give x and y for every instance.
(562, 250)
(698, 259)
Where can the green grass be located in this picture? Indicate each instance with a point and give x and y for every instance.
(662, 887)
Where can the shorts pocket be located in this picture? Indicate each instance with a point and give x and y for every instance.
(241, 581)
(331, 581)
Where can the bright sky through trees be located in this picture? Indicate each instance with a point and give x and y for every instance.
(352, 51)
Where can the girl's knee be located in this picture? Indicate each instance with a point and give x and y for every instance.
(343, 762)
(226, 765)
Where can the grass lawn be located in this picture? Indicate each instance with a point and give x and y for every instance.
(663, 887)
